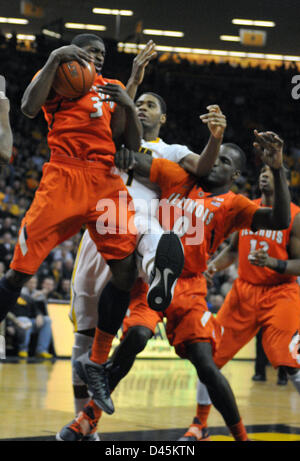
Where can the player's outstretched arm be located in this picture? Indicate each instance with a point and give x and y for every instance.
(6, 139)
(39, 89)
(139, 65)
(270, 147)
(290, 266)
(128, 160)
(225, 258)
(200, 165)
(124, 121)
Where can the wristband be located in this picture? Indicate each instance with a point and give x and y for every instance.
(281, 266)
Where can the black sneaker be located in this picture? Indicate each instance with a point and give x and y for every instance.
(168, 265)
(95, 376)
(73, 432)
(259, 377)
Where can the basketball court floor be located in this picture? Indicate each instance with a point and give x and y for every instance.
(155, 402)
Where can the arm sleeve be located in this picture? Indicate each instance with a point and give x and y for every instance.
(167, 174)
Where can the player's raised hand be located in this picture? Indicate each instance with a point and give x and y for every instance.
(141, 61)
(116, 94)
(269, 146)
(215, 120)
(124, 159)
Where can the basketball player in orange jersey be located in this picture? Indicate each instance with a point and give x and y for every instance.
(265, 295)
(202, 202)
(5, 128)
(79, 176)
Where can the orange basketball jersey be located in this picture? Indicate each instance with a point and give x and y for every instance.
(81, 127)
(203, 219)
(275, 242)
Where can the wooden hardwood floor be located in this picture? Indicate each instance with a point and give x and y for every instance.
(157, 395)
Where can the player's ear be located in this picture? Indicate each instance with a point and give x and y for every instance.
(236, 174)
(163, 119)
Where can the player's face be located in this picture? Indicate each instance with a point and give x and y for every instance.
(224, 168)
(266, 180)
(149, 111)
(96, 49)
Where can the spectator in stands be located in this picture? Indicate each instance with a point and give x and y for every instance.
(30, 320)
(9, 225)
(49, 289)
(65, 289)
(6, 249)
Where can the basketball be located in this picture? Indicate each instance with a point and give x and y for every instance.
(73, 80)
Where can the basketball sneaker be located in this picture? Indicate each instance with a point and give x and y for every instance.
(196, 433)
(81, 429)
(168, 265)
(96, 377)
(44, 355)
(23, 354)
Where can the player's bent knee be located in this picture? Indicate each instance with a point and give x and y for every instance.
(124, 273)
(207, 373)
(138, 336)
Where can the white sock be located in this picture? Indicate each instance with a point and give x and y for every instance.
(295, 378)
(81, 345)
(202, 394)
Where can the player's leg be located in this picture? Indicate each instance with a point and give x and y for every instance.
(235, 335)
(89, 277)
(281, 323)
(160, 253)
(219, 390)
(198, 430)
(138, 327)
(260, 360)
(113, 304)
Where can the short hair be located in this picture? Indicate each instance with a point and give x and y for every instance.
(241, 153)
(162, 103)
(287, 171)
(84, 39)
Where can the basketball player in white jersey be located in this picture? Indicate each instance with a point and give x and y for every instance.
(91, 273)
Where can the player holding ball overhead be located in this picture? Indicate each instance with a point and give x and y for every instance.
(79, 175)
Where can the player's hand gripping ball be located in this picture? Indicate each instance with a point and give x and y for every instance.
(73, 80)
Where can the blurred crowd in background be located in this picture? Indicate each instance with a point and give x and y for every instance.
(251, 98)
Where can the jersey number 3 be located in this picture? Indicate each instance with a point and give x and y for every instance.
(98, 106)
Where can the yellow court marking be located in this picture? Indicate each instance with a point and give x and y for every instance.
(260, 437)
(274, 437)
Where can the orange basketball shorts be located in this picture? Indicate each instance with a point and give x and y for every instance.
(72, 193)
(247, 308)
(188, 319)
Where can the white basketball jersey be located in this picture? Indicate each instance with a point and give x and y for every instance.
(142, 188)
